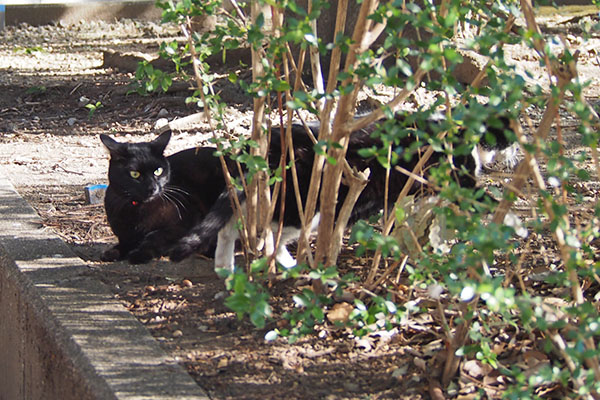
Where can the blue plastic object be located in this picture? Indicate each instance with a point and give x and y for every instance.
(2, 13)
(94, 194)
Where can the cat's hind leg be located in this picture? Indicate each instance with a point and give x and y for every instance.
(201, 238)
(290, 234)
(284, 257)
(225, 252)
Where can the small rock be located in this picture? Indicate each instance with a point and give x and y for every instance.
(9, 128)
(221, 295)
(399, 372)
(178, 333)
(187, 283)
(162, 113)
(83, 101)
(420, 363)
(351, 386)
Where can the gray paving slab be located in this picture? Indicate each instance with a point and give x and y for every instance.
(42, 12)
(63, 335)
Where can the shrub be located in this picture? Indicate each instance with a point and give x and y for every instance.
(475, 287)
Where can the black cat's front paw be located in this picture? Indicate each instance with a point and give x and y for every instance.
(139, 256)
(112, 254)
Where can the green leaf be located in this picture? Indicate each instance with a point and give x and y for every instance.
(257, 319)
(317, 313)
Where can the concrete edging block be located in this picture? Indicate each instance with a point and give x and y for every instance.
(71, 12)
(63, 335)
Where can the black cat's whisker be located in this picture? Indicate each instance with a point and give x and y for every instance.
(174, 196)
(174, 201)
(177, 189)
(153, 200)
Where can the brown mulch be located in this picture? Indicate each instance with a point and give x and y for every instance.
(50, 151)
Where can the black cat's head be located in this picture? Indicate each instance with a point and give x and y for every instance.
(138, 171)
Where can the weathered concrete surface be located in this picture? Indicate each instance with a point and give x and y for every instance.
(62, 333)
(72, 12)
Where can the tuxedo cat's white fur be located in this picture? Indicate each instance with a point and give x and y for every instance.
(221, 222)
(229, 234)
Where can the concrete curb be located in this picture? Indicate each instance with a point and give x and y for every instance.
(62, 333)
(71, 13)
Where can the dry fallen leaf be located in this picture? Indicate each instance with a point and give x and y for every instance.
(476, 368)
(340, 312)
(420, 363)
(223, 362)
(534, 357)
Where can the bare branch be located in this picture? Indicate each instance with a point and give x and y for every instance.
(324, 133)
(333, 172)
(356, 182)
(315, 59)
(187, 30)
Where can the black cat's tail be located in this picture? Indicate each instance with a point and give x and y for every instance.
(202, 238)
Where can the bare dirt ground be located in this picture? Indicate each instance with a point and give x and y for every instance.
(50, 150)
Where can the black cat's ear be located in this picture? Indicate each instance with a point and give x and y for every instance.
(160, 143)
(115, 148)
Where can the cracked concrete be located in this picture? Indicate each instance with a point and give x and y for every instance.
(62, 333)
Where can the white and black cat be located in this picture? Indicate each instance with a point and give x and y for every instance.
(152, 201)
(221, 222)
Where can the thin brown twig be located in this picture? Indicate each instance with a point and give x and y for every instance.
(187, 30)
(563, 74)
(324, 133)
(455, 342)
(332, 173)
(361, 123)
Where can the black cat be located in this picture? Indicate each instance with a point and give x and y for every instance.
(152, 201)
(221, 223)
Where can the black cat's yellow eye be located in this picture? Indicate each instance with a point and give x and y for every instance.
(134, 174)
(158, 171)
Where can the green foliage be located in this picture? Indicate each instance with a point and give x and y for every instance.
(249, 297)
(309, 306)
(378, 316)
(29, 50)
(93, 107)
(150, 79)
(36, 90)
(483, 293)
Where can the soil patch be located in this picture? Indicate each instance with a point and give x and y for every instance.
(50, 151)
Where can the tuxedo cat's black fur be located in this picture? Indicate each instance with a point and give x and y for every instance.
(152, 200)
(218, 223)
